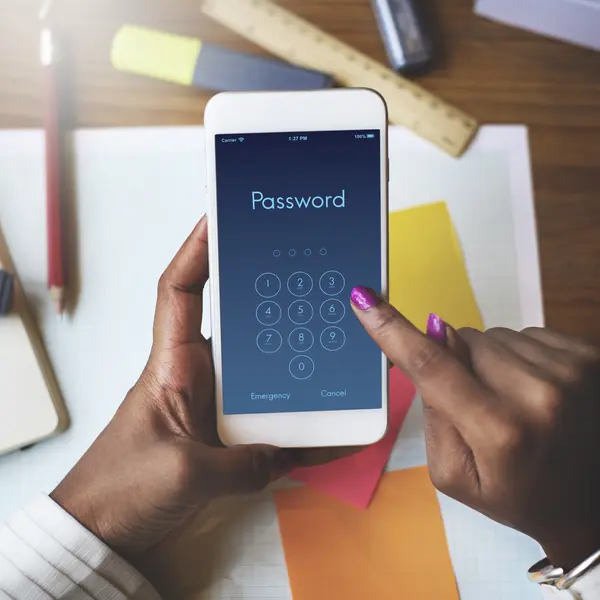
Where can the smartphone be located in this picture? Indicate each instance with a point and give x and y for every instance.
(297, 192)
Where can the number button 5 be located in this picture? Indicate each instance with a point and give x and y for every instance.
(300, 312)
(268, 285)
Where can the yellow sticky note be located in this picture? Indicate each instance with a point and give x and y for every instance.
(427, 268)
(155, 54)
(396, 549)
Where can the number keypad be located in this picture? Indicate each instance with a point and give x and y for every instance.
(309, 317)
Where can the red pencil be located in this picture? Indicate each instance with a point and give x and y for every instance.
(57, 282)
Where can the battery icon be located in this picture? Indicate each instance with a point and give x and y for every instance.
(370, 136)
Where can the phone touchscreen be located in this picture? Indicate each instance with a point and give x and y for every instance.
(299, 225)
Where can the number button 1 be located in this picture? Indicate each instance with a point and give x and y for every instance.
(268, 285)
(300, 312)
(333, 339)
(300, 284)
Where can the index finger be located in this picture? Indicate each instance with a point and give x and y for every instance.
(442, 379)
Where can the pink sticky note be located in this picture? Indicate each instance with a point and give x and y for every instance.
(354, 479)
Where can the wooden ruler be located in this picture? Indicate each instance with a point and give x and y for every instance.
(293, 39)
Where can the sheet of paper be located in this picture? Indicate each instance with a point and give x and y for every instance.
(354, 479)
(427, 268)
(395, 549)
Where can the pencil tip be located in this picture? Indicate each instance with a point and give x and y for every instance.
(58, 296)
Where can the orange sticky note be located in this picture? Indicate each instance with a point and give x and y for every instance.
(395, 549)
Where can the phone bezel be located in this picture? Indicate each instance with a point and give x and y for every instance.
(265, 112)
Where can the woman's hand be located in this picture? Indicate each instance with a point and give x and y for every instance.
(160, 459)
(512, 422)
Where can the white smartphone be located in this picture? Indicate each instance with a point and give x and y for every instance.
(297, 190)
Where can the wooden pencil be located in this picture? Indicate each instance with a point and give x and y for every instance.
(55, 146)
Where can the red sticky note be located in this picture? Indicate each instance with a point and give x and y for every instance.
(354, 479)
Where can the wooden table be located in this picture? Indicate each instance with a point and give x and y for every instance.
(499, 74)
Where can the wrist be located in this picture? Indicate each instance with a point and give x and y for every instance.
(76, 496)
(572, 550)
(102, 491)
(73, 499)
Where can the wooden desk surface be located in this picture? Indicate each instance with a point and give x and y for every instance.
(499, 74)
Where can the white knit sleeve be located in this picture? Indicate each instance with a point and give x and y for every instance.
(45, 554)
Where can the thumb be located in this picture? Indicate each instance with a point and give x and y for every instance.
(238, 470)
(179, 307)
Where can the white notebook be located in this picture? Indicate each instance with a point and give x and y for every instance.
(31, 408)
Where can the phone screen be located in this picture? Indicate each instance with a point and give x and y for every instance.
(299, 225)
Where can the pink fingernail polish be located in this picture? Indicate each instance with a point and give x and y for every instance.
(436, 329)
(364, 298)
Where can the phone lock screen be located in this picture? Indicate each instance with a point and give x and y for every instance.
(299, 224)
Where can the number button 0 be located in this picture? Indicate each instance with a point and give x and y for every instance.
(269, 341)
(302, 367)
(332, 283)
(300, 284)
(332, 311)
(301, 340)
(268, 313)
(333, 339)
(300, 312)
(268, 285)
